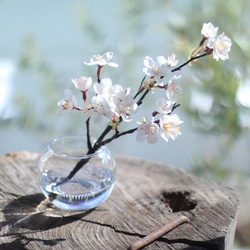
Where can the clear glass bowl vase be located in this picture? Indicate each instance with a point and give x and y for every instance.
(89, 186)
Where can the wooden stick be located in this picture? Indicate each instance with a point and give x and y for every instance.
(158, 233)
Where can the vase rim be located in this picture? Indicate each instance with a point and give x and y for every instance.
(74, 137)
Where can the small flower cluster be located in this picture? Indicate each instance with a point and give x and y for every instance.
(118, 104)
(219, 46)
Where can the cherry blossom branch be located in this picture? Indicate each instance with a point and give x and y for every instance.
(174, 107)
(139, 90)
(139, 102)
(117, 135)
(130, 131)
(142, 97)
(122, 106)
(187, 62)
(102, 136)
(100, 141)
(99, 73)
(78, 108)
(88, 134)
(172, 110)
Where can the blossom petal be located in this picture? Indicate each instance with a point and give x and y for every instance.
(148, 130)
(82, 83)
(161, 60)
(112, 64)
(107, 56)
(221, 47)
(169, 126)
(208, 30)
(102, 60)
(156, 69)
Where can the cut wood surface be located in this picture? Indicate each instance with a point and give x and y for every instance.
(146, 196)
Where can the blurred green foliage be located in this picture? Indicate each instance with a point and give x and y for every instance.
(217, 81)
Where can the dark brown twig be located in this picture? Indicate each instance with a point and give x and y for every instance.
(158, 233)
(88, 135)
(187, 62)
(139, 90)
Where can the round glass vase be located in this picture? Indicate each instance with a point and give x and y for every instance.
(89, 186)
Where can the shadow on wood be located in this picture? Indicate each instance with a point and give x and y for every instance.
(22, 215)
(34, 212)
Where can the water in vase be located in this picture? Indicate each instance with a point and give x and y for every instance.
(84, 191)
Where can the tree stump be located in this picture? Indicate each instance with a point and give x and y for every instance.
(146, 196)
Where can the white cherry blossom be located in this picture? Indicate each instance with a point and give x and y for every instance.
(103, 87)
(68, 103)
(156, 69)
(163, 106)
(83, 83)
(100, 108)
(220, 46)
(173, 89)
(106, 89)
(169, 126)
(124, 104)
(208, 30)
(148, 130)
(171, 61)
(102, 60)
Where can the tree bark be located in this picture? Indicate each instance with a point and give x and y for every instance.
(146, 196)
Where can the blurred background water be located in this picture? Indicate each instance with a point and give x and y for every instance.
(43, 45)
